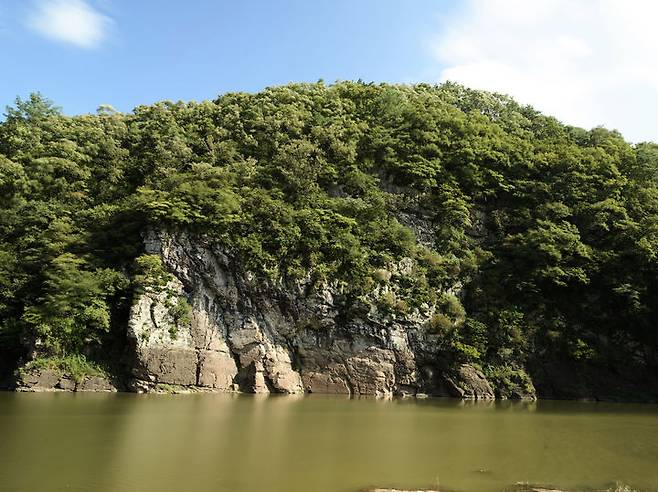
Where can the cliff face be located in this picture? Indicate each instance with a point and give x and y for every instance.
(249, 335)
(246, 334)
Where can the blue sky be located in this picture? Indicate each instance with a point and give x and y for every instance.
(152, 50)
(588, 62)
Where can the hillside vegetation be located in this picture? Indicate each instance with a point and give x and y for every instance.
(549, 232)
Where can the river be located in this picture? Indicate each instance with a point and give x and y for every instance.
(240, 443)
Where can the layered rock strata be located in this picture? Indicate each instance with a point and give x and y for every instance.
(253, 336)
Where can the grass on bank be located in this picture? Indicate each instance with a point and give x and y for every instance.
(76, 366)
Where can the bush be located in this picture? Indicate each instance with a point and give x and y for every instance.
(181, 312)
(150, 274)
(453, 307)
(76, 366)
(440, 324)
(382, 275)
(401, 306)
(509, 380)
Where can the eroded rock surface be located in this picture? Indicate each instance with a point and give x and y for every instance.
(470, 383)
(50, 380)
(247, 335)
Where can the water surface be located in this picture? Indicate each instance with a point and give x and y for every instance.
(205, 442)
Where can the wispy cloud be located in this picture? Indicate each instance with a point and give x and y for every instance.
(588, 62)
(70, 21)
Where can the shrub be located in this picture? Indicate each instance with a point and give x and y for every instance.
(440, 324)
(401, 306)
(453, 307)
(76, 366)
(181, 312)
(150, 274)
(386, 302)
(382, 275)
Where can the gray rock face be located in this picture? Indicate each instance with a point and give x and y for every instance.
(43, 380)
(248, 335)
(469, 383)
(50, 380)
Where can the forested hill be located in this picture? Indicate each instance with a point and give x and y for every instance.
(551, 231)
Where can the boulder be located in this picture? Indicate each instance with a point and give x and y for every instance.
(49, 379)
(469, 383)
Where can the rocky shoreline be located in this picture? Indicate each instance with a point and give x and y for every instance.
(521, 487)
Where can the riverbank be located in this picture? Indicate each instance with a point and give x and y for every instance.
(522, 487)
(57, 377)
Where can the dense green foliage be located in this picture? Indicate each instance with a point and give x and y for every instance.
(551, 229)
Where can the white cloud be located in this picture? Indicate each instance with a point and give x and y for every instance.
(70, 21)
(587, 62)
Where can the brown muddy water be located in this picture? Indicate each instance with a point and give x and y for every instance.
(246, 443)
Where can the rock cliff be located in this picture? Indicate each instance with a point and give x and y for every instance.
(247, 334)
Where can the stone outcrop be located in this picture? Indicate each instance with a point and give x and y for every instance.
(521, 487)
(253, 336)
(400, 490)
(49, 380)
(470, 383)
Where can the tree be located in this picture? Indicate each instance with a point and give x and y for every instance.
(35, 108)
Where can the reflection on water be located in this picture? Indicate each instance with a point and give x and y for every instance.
(140, 443)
